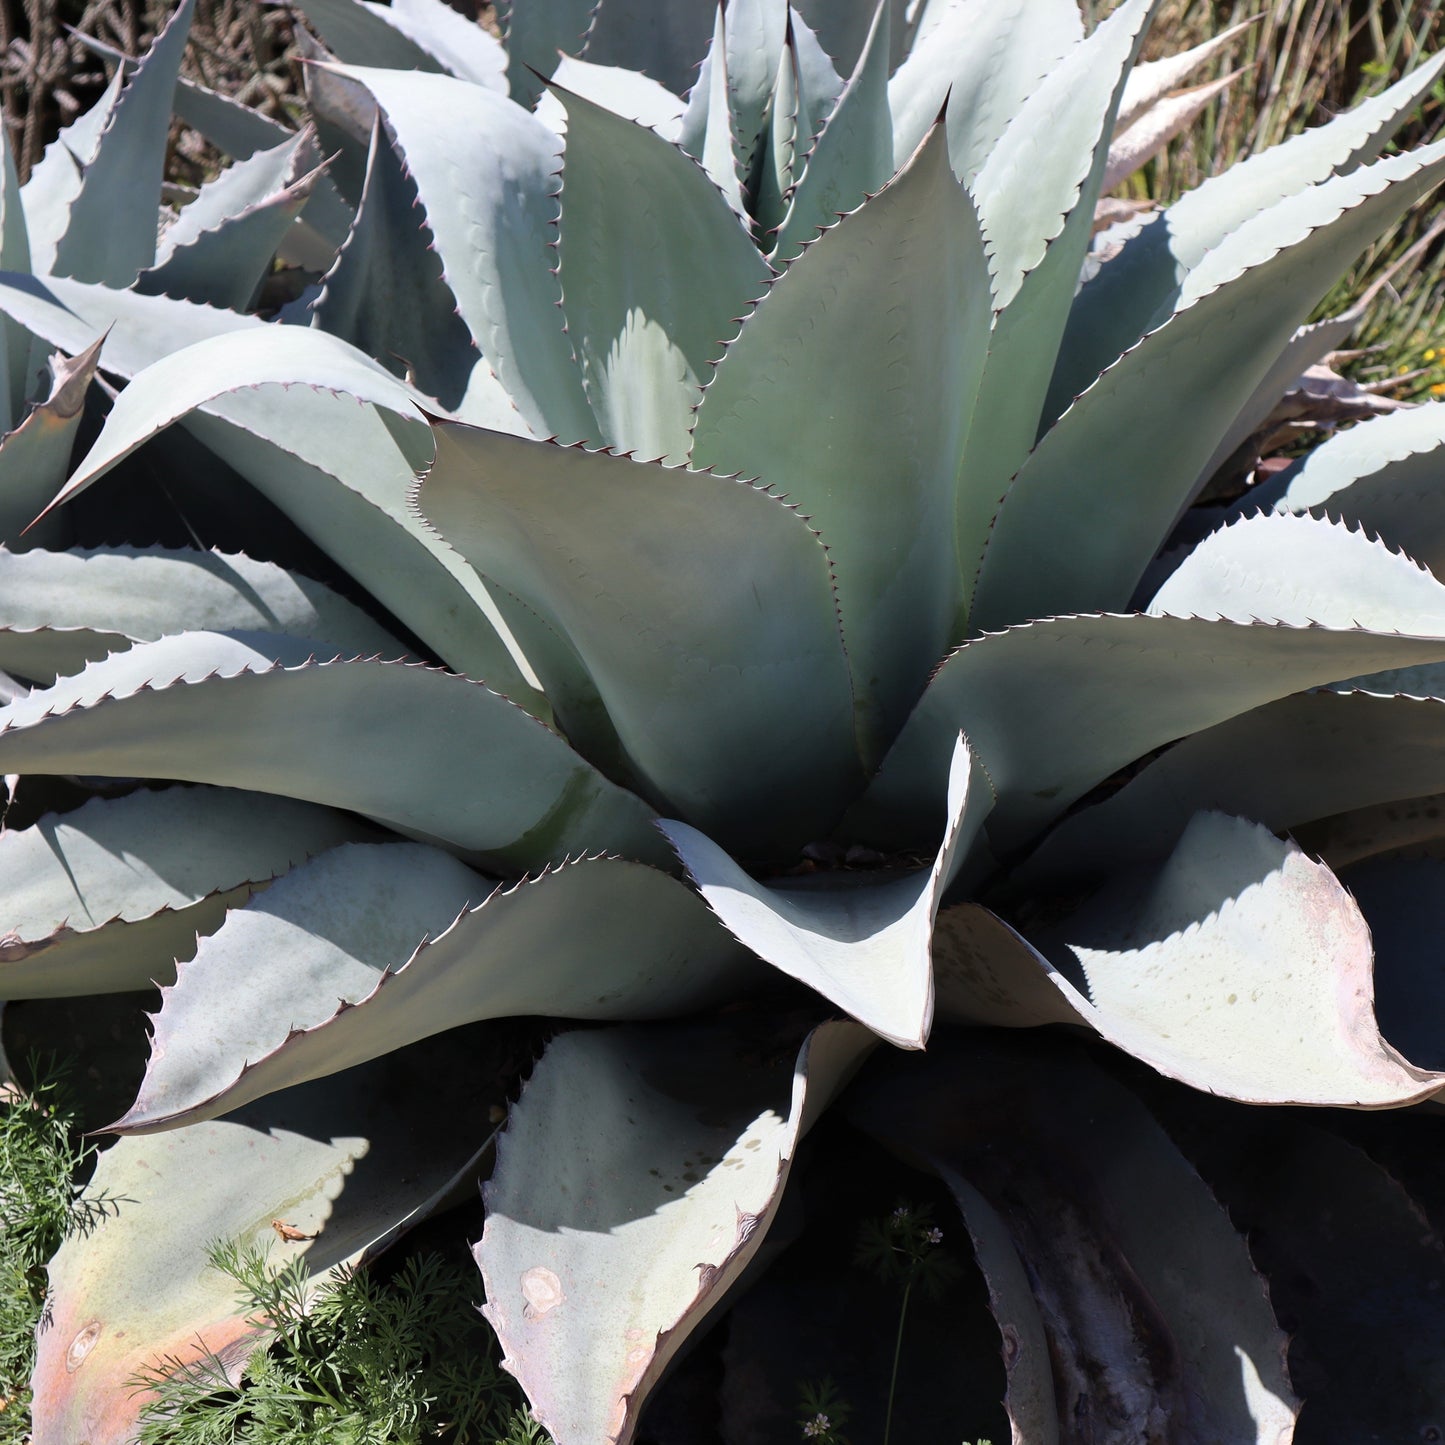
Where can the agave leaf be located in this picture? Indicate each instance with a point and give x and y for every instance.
(774, 173)
(386, 296)
(627, 93)
(1400, 899)
(1302, 570)
(685, 593)
(1382, 475)
(865, 946)
(665, 42)
(361, 34)
(56, 179)
(852, 158)
(1141, 434)
(110, 233)
(1358, 1284)
(865, 307)
(60, 610)
(14, 256)
(107, 897)
(368, 949)
(1137, 289)
(1057, 706)
(187, 379)
(486, 175)
(353, 1160)
(334, 469)
(706, 131)
(595, 1275)
(249, 710)
(1297, 760)
(1144, 1325)
(224, 242)
(462, 46)
(1036, 194)
(986, 57)
(535, 34)
(1152, 131)
(35, 457)
(754, 38)
(818, 83)
(640, 223)
(1151, 82)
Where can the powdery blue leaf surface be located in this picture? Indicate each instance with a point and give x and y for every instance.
(486, 173)
(60, 610)
(460, 44)
(640, 224)
(689, 596)
(864, 945)
(1058, 706)
(891, 303)
(362, 34)
(352, 1161)
(627, 93)
(369, 949)
(638, 1176)
(251, 710)
(1136, 440)
(107, 897)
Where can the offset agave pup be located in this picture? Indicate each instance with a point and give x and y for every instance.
(781, 492)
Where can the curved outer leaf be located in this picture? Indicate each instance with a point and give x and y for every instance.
(638, 1176)
(382, 739)
(1382, 474)
(1148, 135)
(461, 45)
(891, 302)
(369, 949)
(486, 174)
(852, 158)
(863, 945)
(986, 57)
(110, 233)
(688, 596)
(1057, 706)
(1401, 902)
(35, 457)
(385, 294)
(1036, 195)
(1137, 289)
(641, 223)
(223, 266)
(60, 610)
(627, 93)
(333, 468)
(107, 897)
(365, 35)
(1153, 1333)
(189, 378)
(1150, 82)
(1297, 760)
(1301, 570)
(55, 180)
(1137, 439)
(354, 1160)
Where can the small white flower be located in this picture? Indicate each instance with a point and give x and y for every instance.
(818, 1425)
(934, 1236)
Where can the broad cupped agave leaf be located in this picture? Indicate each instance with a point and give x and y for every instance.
(691, 598)
(369, 949)
(866, 309)
(640, 221)
(626, 93)
(863, 945)
(638, 1176)
(352, 1161)
(60, 610)
(1137, 439)
(253, 710)
(107, 897)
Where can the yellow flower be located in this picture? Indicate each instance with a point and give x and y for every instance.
(1438, 389)
(1430, 354)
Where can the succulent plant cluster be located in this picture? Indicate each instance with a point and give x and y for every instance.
(706, 568)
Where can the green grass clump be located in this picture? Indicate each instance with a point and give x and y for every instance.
(357, 1360)
(42, 1161)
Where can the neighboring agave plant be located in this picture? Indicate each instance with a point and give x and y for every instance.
(784, 502)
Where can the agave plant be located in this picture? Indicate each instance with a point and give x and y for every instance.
(750, 570)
